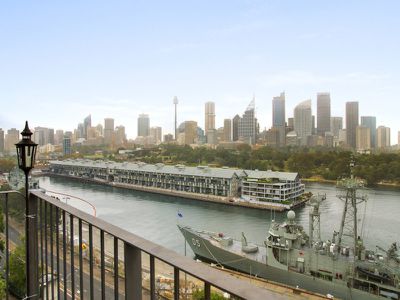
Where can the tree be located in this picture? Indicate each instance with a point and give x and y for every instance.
(17, 279)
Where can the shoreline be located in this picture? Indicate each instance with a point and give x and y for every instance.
(186, 195)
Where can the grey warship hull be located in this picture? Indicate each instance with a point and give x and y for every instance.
(256, 265)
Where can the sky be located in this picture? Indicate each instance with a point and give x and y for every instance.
(63, 60)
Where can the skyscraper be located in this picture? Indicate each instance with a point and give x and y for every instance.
(156, 133)
(11, 138)
(370, 122)
(1, 140)
(120, 136)
(278, 110)
(227, 130)
(108, 130)
(67, 145)
(279, 118)
(351, 123)
(143, 125)
(87, 122)
(383, 137)
(303, 121)
(247, 129)
(323, 113)
(209, 122)
(336, 125)
(363, 138)
(235, 128)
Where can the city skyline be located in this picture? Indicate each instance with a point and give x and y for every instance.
(222, 52)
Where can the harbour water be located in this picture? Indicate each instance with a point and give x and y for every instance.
(154, 217)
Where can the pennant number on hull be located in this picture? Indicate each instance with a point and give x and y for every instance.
(196, 242)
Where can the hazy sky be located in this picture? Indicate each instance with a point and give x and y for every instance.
(63, 60)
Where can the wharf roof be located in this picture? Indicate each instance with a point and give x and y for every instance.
(202, 171)
(271, 174)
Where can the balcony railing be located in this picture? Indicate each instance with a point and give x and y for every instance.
(74, 255)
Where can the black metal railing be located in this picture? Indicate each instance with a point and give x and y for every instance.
(79, 256)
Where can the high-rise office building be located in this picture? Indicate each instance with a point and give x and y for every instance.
(11, 138)
(120, 135)
(323, 113)
(209, 120)
(175, 123)
(303, 121)
(67, 150)
(278, 110)
(351, 123)
(1, 140)
(187, 133)
(156, 133)
(235, 128)
(363, 138)
(382, 137)
(279, 118)
(143, 125)
(227, 130)
(370, 122)
(87, 123)
(108, 130)
(247, 129)
(336, 125)
(59, 137)
(43, 136)
(398, 138)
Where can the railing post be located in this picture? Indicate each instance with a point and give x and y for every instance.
(32, 245)
(133, 272)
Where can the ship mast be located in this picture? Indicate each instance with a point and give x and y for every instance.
(347, 192)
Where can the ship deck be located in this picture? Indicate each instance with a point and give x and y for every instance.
(235, 247)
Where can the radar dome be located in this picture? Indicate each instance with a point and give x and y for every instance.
(291, 215)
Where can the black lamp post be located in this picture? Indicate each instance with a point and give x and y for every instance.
(26, 151)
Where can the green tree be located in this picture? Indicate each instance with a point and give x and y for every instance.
(17, 279)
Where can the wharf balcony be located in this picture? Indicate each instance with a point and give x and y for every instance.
(74, 255)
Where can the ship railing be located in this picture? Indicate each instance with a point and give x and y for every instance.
(74, 255)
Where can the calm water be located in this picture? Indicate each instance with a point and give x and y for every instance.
(154, 217)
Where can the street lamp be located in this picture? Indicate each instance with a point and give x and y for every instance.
(26, 151)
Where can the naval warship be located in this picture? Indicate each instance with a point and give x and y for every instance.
(339, 268)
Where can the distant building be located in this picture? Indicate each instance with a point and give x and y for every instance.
(227, 130)
(1, 140)
(303, 121)
(398, 138)
(108, 131)
(143, 125)
(370, 122)
(67, 150)
(100, 130)
(323, 113)
(351, 123)
(168, 138)
(290, 125)
(363, 138)
(87, 123)
(336, 125)
(212, 136)
(273, 137)
(187, 133)
(11, 138)
(292, 139)
(43, 136)
(120, 135)
(279, 117)
(156, 133)
(235, 128)
(209, 118)
(59, 137)
(383, 137)
(247, 129)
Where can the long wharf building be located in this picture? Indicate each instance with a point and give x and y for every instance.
(264, 186)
